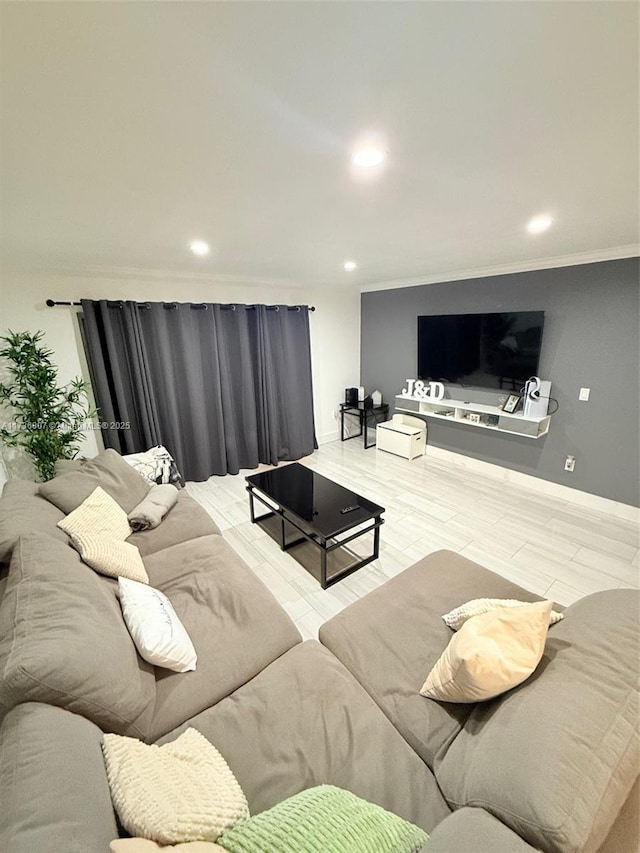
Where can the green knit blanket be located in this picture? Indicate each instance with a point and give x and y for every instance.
(324, 820)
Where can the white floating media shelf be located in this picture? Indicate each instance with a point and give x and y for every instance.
(459, 411)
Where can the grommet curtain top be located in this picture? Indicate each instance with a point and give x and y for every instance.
(202, 306)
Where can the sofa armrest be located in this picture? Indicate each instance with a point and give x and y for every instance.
(53, 784)
(471, 830)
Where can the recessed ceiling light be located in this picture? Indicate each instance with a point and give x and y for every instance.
(350, 266)
(199, 247)
(368, 157)
(539, 224)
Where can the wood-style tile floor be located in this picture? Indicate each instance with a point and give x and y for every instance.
(549, 546)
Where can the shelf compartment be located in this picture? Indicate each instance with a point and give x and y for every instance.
(512, 424)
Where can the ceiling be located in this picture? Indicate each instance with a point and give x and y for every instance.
(131, 129)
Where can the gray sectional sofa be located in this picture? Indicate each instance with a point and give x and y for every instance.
(550, 766)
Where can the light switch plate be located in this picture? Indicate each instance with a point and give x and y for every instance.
(584, 394)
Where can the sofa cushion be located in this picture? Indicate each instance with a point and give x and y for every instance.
(23, 510)
(304, 721)
(475, 831)
(235, 624)
(63, 466)
(109, 470)
(555, 758)
(392, 637)
(55, 796)
(64, 641)
(184, 521)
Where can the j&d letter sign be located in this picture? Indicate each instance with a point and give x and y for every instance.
(416, 388)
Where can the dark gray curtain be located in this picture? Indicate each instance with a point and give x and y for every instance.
(117, 359)
(285, 383)
(222, 387)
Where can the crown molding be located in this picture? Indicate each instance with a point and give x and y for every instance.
(121, 273)
(613, 254)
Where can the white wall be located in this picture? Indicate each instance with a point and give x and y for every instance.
(335, 326)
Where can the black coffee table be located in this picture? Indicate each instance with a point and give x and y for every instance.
(313, 514)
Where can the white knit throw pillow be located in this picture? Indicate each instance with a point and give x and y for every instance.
(98, 514)
(458, 616)
(182, 791)
(111, 557)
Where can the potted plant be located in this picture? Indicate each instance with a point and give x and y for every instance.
(48, 419)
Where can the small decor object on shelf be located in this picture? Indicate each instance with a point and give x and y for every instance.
(351, 396)
(377, 398)
(511, 403)
(474, 417)
(536, 396)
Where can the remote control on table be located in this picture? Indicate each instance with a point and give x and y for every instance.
(347, 509)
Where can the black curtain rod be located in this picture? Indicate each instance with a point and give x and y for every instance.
(51, 303)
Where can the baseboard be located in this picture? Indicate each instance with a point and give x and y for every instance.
(556, 490)
(326, 437)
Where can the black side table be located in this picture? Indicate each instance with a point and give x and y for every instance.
(367, 416)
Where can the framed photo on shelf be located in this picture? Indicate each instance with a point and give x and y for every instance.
(511, 403)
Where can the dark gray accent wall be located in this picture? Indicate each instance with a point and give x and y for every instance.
(591, 339)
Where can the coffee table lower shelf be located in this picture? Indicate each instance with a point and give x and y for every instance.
(336, 560)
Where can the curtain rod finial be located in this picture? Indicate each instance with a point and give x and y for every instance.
(50, 303)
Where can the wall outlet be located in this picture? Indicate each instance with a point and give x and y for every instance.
(584, 394)
(570, 463)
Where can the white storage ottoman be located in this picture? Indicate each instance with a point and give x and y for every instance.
(404, 439)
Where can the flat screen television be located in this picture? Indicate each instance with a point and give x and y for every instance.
(500, 350)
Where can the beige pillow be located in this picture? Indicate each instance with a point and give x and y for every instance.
(99, 514)
(110, 557)
(181, 791)
(491, 653)
(143, 845)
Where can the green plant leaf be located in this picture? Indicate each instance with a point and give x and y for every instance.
(48, 417)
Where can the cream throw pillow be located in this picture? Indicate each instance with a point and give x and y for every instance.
(143, 845)
(110, 557)
(98, 514)
(458, 616)
(490, 654)
(181, 791)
